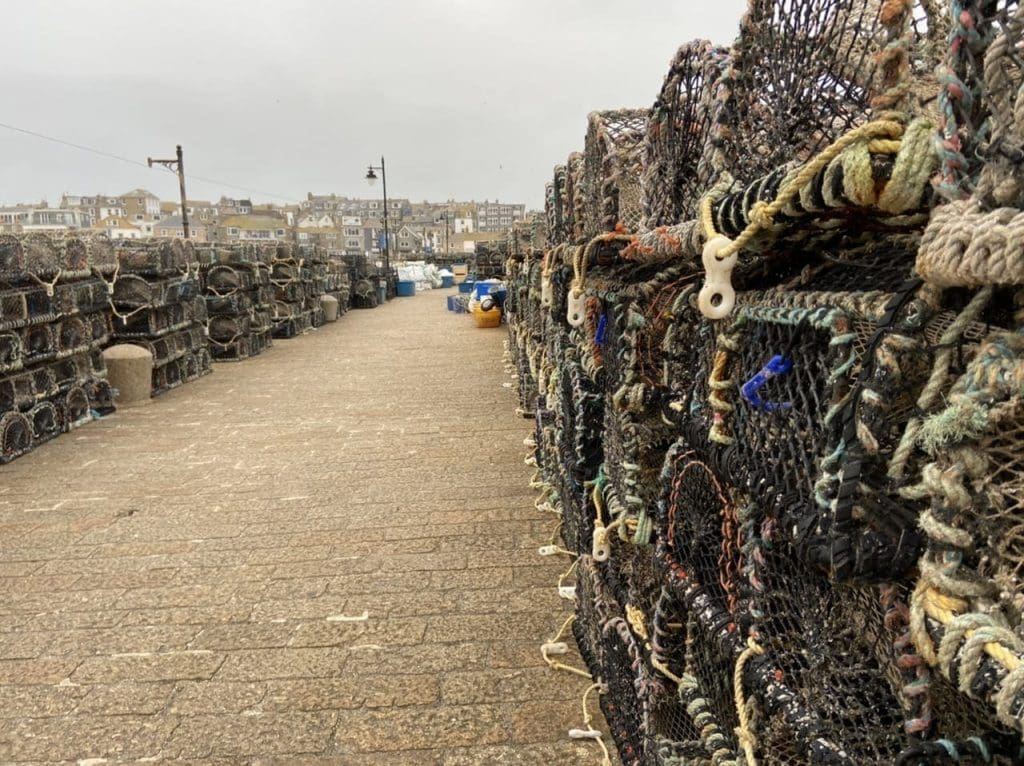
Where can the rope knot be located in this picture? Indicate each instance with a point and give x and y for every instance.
(761, 215)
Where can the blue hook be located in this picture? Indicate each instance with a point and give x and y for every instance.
(777, 366)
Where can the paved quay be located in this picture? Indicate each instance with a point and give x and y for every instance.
(323, 555)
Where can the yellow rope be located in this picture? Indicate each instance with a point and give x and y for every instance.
(598, 504)
(581, 258)
(568, 572)
(743, 733)
(881, 136)
(943, 608)
(662, 668)
(587, 718)
(555, 664)
(635, 618)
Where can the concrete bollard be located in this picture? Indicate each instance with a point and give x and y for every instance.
(330, 306)
(130, 372)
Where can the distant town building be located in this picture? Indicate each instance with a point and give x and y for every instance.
(241, 228)
(498, 216)
(96, 207)
(229, 207)
(12, 218)
(118, 227)
(172, 228)
(48, 219)
(142, 208)
(408, 241)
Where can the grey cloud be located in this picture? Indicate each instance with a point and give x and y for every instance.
(465, 99)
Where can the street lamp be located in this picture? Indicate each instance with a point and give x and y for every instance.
(447, 245)
(371, 178)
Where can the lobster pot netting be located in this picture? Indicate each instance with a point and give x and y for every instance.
(973, 240)
(50, 399)
(559, 231)
(155, 257)
(26, 258)
(613, 156)
(821, 688)
(580, 449)
(518, 310)
(965, 612)
(800, 77)
(678, 165)
(239, 301)
(632, 319)
(575, 205)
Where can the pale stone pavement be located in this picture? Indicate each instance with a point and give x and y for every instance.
(178, 581)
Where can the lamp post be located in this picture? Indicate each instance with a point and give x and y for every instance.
(447, 245)
(371, 178)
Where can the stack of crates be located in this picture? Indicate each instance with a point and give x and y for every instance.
(157, 305)
(54, 320)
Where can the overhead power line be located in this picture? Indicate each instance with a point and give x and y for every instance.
(130, 161)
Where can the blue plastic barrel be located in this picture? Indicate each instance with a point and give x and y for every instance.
(447, 281)
(483, 288)
(405, 289)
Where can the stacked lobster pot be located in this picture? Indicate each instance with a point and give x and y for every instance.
(316, 274)
(489, 260)
(157, 304)
(299, 278)
(364, 276)
(239, 300)
(54, 320)
(774, 354)
(339, 284)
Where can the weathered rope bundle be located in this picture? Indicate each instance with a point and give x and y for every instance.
(781, 422)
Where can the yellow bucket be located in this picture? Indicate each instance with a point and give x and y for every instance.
(490, 318)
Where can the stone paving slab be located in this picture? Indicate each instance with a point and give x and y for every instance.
(323, 555)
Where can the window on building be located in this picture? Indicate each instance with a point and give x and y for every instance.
(138, 216)
(280, 232)
(232, 231)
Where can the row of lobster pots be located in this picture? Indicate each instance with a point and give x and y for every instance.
(54, 320)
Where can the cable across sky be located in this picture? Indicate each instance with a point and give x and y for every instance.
(119, 158)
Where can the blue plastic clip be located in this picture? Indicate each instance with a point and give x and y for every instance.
(777, 366)
(602, 324)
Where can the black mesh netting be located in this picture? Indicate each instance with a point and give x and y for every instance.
(677, 167)
(613, 154)
(796, 522)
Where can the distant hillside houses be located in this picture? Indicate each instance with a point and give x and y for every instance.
(347, 225)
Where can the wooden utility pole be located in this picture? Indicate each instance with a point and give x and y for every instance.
(179, 166)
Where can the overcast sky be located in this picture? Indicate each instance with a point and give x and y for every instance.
(465, 99)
